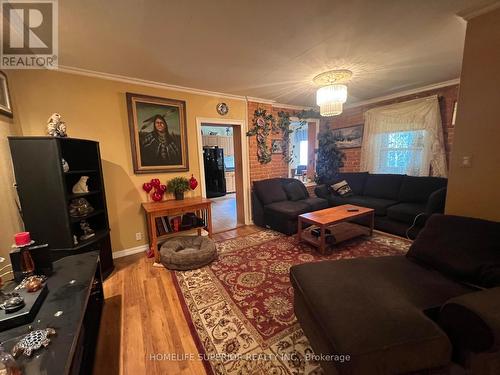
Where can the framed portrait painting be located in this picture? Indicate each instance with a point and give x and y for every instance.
(5, 104)
(158, 134)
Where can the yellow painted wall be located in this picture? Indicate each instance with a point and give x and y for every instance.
(10, 222)
(475, 191)
(95, 108)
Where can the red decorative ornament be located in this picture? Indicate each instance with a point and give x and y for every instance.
(155, 182)
(157, 196)
(147, 187)
(161, 189)
(193, 183)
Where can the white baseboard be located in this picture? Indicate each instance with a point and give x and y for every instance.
(132, 250)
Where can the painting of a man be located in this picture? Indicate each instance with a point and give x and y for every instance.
(159, 146)
(158, 134)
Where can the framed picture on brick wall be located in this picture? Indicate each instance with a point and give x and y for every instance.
(350, 137)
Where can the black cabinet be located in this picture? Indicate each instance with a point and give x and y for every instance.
(45, 193)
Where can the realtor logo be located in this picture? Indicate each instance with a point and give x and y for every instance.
(29, 34)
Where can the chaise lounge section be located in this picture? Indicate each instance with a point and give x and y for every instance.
(400, 202)
(399, 314)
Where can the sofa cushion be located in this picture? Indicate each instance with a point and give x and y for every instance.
(464, 248)
(405, 212)
(342, 188)
(270, 191)
(316, 204)
(294, 191)
(289, 209)
(379, 205)
(418, 189)
(355, 180)
(372, 309)
(384, 186)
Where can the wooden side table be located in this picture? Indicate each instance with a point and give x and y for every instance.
(201, 206)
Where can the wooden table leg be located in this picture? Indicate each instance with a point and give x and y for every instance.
(299, 229)
(322, 246)
(209, 225)
(372, 223)
(153, 240)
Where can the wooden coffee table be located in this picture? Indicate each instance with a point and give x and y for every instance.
(335, 219)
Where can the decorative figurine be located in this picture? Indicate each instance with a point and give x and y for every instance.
(80, 207)
(193, 183)
(55, 126)
(27, 280)
(33, 285)
(33, 341)
(75, 240)
(12, 302)
(88, 232)
(8, 365)
(81, 186)
(65, 166)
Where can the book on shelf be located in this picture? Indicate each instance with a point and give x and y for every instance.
(160, 229)
(166, 224)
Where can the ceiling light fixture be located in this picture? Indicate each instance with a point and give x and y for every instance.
(332, 93)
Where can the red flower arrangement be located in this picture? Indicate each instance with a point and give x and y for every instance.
(156, 188)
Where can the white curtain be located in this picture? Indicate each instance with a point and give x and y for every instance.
(405, 138)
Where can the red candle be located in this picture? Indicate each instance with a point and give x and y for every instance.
(22, 238)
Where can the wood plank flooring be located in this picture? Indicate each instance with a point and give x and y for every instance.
(224, 215)
(143, 317)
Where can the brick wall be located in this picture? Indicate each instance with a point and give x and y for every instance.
(354, 116)
(277, 167)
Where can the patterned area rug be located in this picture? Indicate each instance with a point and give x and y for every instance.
(241, 306)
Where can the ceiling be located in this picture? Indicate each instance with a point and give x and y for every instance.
(268, 49)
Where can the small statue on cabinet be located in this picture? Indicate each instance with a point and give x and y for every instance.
(55, 126)
(80, 207)
(65, 166)
(88, 232)
(81, 186)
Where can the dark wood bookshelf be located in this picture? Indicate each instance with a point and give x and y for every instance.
(45, 193)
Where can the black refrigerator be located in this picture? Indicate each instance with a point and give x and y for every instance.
(215, 179)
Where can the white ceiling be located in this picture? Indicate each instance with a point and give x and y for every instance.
(267, 49)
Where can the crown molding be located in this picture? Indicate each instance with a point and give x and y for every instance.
(399, 94)
(259, 100)
(469, 13)
(155, 84)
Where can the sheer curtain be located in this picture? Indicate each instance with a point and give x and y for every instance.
(405, 138)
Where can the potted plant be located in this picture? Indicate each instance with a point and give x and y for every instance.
(330, 159)
(177, 186)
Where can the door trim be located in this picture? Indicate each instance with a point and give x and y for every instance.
(245, 203)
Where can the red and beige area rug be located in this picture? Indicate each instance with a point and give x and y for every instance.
(240, 308)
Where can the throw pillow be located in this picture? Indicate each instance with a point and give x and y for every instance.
(294, 191)
(342, 188)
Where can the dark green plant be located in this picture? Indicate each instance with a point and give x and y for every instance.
(283, 127)
(330, 159)
(178, 185)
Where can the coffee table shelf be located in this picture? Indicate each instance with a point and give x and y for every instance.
(337, 220)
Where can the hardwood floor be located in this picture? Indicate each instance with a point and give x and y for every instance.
(143, 317)
(224, 215)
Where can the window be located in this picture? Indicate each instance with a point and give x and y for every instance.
(401, 152)
(303, 152)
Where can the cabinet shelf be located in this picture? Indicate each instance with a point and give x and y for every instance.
(92, 214)
(81, 195)
(81, 171)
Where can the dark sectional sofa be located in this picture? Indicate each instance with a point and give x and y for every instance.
(277, 202)
(396, 199)
(401, 314)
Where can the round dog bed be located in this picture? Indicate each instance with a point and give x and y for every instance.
(187, 252)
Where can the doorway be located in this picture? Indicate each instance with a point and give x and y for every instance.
(221, 171)
(303, 144)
